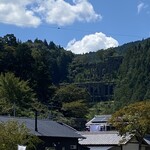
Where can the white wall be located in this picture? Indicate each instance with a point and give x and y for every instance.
(131, 146)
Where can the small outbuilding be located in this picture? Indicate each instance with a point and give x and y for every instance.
(99, 123)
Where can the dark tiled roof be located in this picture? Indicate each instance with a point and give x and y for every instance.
(46, 127)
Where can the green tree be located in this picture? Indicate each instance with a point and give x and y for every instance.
(134, 75)
(14, 92)
(41, 72)
(7, 58)
(101, 108)
(69, 93)
(13, 134)
(10, 40)
(133, 119)
(23, 62)
(76, 109)
(72, 102)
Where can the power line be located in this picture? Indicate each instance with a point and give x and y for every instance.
(83, 30)
(29, 25)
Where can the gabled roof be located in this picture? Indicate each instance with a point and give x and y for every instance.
(147, 139)
(46, 127)
(99, 119)
(108, 138)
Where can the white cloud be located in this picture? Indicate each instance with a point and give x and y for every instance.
(34, 12)
(16, 12)
(91, 43)
(62, 13)
(141, 6)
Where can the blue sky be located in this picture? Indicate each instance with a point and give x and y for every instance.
(77, 25)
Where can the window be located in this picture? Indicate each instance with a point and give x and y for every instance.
(73, 146)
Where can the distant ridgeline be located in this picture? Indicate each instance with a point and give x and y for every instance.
(121, 73)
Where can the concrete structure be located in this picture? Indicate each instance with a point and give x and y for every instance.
(99, 91)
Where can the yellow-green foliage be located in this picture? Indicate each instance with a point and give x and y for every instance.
(14, 91)
(12, 133)
(134, 119)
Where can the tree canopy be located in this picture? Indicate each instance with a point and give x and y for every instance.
(13, 134)
(133, 79)
(14, 93)
(133, 119)
(101, 108)
(72, 102)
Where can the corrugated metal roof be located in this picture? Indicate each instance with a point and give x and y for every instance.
(46, 127)
(99, 119)
(102, 138)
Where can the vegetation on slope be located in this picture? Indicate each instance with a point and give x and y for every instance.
(45, 66)
(134, 75)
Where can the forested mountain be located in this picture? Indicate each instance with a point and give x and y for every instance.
(95, 66)
(51, 77)
(134, 75)
(41, 63)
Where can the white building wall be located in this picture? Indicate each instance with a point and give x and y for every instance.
(131, 146)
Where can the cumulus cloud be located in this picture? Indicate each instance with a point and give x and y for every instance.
(62, 13)
(141, 6)
(91, 43)
(34, 12)
(17, 12)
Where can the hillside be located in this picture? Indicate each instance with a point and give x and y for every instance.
(60, 83)
(95, 66)
(134, 75)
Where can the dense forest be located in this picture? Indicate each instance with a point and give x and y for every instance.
(134, 75)
(44, 76)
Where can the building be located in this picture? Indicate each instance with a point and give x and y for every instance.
(111, 140)
(99, 123)
(56, 136)
(101, 135)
